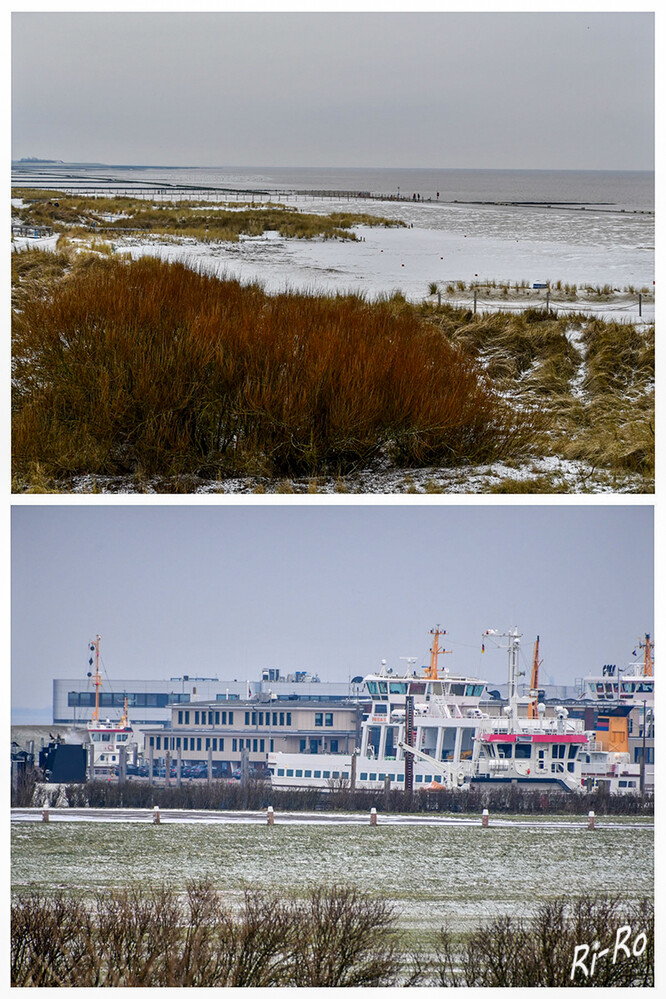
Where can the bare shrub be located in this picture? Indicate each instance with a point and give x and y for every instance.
(511, 952)
(157, 937)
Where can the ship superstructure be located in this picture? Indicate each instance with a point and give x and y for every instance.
(107, 737)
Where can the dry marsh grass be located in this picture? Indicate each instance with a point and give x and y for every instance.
(593, 381)
(197, 220)
(150, 367)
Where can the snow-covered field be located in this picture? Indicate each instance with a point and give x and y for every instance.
(441, 243)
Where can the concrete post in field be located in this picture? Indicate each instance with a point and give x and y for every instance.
(210, 763)
(640, 304)
(548, 300)
(387, 790)
(135, 754)
(156, 815)
(485, 818)
(167, 769)
(475, 301)
(45, 814)
(590, 820)
(122, 764)
(91, 762)
(151, 752)
(270, 815)
(373, 816)
(352, 782)
(179, 761)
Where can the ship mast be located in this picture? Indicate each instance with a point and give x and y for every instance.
(96, 678)
(513, 648)
(431, 670)
(532, 710)
(647, 659)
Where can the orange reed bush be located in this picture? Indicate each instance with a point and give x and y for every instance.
(151, 366)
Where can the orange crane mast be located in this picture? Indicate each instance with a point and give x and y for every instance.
(431, 670)
(532, 708)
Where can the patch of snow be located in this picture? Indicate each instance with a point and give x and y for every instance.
(383, 261)
(564, 475)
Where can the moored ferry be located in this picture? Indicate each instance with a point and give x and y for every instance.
(106, 737)
(622, 699)
(429, 731)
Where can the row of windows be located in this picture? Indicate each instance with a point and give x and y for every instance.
(86, 699)
(380, 688)
(325, 774)
(336, 774)
(201, 743)
(256, 718)
(264, 717)
(206, 717)
(315, 745)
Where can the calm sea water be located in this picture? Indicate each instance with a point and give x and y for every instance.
(432, 874)
(629, 190)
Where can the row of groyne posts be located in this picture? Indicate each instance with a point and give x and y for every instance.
(270, 817)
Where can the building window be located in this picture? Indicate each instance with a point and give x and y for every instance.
(207, 743)
(187, 717)
(231, 717)
(234, 745)
(288, 717)
(180, 717)
(302, 745)
(275, 717)
(254, 745)
(254, 717)
(158, 743)
(334, 745)
(196, 717)
(151, 741)
(282, 718)
(270, 745)
(261, 717)
(329, 719)
(199, 745)
(319, 719)
(217, 717)
(247, 717)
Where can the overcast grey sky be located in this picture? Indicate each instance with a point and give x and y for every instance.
(443, 90)
(228, 590)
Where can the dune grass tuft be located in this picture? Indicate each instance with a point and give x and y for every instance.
(150, 368)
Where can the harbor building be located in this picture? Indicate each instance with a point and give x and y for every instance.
(225, 731)
(150, 701)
